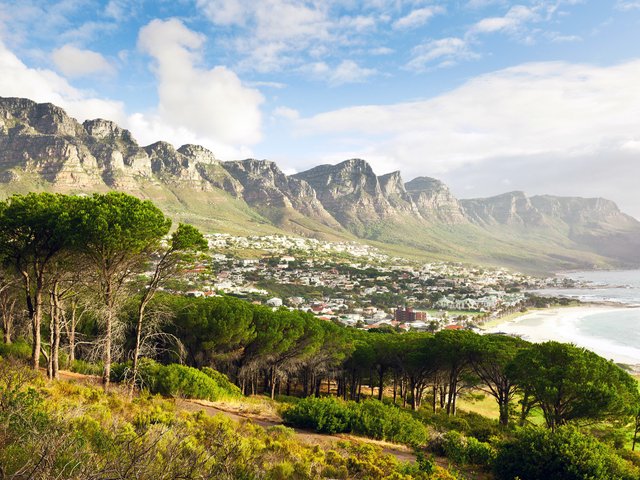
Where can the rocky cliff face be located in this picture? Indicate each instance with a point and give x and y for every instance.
(265, 187)
(352, 193)
(434, 201)
(516, 208)
(41, 143)
(513, 208)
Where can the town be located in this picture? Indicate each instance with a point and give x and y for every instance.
(356, 284)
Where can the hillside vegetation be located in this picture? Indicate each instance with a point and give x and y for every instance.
(91, 272)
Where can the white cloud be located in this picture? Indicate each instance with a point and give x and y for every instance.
(626, 5)
(417, 17)
(447, 51)
(349, 71)
(75, 62)
(346, 71)
(287, 113)
(41, 85)
(554, 108)
(511, 22)
(276, 34)
(211, 103)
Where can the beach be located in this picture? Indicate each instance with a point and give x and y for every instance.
(596, 328)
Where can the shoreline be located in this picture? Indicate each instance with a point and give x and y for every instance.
(561, 324)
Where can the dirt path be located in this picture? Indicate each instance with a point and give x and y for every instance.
(401, 452)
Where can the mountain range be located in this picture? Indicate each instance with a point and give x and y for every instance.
(44, 149)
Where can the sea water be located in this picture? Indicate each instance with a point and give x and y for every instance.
(618, 328)
(620, 286)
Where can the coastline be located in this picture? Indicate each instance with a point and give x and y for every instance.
(561, 324)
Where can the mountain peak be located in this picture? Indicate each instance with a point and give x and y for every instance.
(198, 153)
(421, 184)
(40, 143)
(41, 118)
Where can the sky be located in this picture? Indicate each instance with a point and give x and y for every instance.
(489, 96)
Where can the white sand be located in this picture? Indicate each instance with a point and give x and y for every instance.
(560, 324)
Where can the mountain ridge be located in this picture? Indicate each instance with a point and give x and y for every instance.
(41, 147)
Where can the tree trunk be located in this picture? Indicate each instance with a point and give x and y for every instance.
(51, 339)
(71, 332)
(106, 372)
(434, 400)
(503, 406)
(273, 383)
(36, 323)
(136, 348)
(7, 320)
(395, 385)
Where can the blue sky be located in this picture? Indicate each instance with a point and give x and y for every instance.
(487, 95)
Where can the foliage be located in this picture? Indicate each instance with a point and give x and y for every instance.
(179, 380)
(571, 383)
(86, 368)
(370, 418)
(223, 381)
(374, 419)
(469, 423)
(98, 435)
(19, 350)
(464, 450)
(565, 454)
(324, 415)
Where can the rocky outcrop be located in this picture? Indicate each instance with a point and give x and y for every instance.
(265, 187)
(434, 202)
(513, 208)
(351, 192)
(40, 143)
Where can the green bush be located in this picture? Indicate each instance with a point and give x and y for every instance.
(469, 423)
(177, 380)
(19, 350)
(182, 381)
(86, 368)
(370, 418)
(325, 415)
(480, 453)
(562, 455)
(223, 382)
(387, 422)
(464, 450)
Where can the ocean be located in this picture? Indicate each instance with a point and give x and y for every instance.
(620, 286)
(610, 332)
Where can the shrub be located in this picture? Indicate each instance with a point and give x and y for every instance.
(469, 423)
(325, 415)
(464, 450)
(562, 455)
(19, 350)
(370, 418)
(387, 422)
(177, 380)
(223, 382)
(86, 368)
(183, 381)
(480, 453)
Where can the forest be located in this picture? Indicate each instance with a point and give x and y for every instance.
(82, 288)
